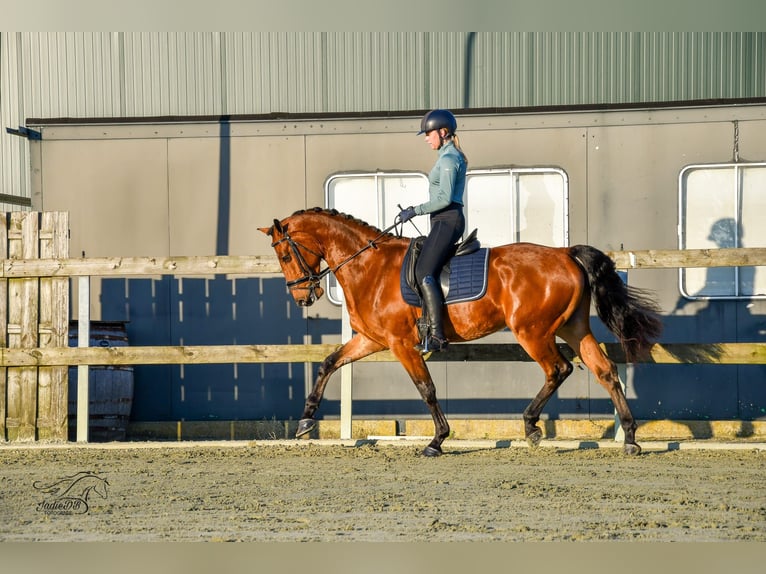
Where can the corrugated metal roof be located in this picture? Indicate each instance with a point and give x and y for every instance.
(125, 74)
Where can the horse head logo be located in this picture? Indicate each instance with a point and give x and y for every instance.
(70, 495)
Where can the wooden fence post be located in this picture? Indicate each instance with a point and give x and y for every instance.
(33, 401)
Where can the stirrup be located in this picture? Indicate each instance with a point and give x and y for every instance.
(431, 344)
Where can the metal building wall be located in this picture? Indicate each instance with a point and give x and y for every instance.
(156, 189)
(127, 74)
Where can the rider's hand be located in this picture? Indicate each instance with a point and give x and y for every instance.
(406, 214)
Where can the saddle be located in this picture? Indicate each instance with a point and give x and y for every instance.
(463, 278)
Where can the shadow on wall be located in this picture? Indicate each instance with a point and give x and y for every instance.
(216, 311)
(259, 311)
(700, 392)
(707, 391)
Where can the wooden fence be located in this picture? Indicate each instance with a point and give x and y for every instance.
(34, 315)
(34, 356)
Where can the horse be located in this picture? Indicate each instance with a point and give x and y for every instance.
(538, 292)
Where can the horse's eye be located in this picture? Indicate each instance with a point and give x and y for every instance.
(286, 258)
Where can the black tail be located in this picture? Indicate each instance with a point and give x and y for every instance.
(629, 312)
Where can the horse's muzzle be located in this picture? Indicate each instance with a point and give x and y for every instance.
(315, 293)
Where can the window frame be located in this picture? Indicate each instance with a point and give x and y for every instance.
(683, 225)
(376, 175)
(513, 173)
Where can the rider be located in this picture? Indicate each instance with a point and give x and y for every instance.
(446, 184)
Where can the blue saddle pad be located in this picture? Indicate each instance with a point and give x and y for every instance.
(464, 278)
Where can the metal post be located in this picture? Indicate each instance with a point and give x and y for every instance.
(346, 395)
(83, 340)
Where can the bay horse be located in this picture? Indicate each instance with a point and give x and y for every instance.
(538, 292)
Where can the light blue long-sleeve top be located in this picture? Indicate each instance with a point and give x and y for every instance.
(446, 182)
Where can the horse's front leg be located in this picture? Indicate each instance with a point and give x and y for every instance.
(413, 362)
(356, 348)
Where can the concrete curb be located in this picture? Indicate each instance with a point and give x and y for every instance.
(449, 445)
(461, 429)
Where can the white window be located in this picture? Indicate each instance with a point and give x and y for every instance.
(506, 205)
(513, 205)
(375, 198)
(722, 206)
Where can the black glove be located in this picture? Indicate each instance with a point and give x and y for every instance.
(406, 214)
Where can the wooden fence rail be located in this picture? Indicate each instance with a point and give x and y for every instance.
(669, 353)
(256, 265)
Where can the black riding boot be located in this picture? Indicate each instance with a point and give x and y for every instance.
(433, 309)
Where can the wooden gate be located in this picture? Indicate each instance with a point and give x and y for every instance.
(34, 314)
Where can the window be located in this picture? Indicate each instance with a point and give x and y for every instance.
(375, 199)
(512, 205)
(722, 206)
(506, 205)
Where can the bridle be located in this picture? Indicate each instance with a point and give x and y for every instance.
(313, 279)
(309, 276)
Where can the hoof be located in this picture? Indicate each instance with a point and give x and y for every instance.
(632, 449)
(305, 426)
(534, 438)
(431, 451)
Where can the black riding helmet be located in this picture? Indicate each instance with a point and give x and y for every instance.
(437, 119)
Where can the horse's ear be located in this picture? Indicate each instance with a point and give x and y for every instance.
(277, 227)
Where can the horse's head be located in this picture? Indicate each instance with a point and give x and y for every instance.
(300, 264)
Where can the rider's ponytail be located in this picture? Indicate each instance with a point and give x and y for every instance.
(456, 141)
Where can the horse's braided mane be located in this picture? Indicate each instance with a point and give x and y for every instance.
(339, 215)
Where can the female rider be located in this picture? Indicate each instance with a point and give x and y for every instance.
(446, 184)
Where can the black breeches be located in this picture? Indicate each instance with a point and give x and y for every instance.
(447, 227)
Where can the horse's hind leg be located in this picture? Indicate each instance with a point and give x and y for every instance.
(556, 369)
(606, 372)
(356, 348)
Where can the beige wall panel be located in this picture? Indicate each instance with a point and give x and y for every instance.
(633, 179)
(633, 189)
(752, 140)
(559, 147)
(115, 192)
(268, 181)
(193, 168)
(263, 179)
(370, 152)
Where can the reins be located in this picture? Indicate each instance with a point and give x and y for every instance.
(314, 278)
